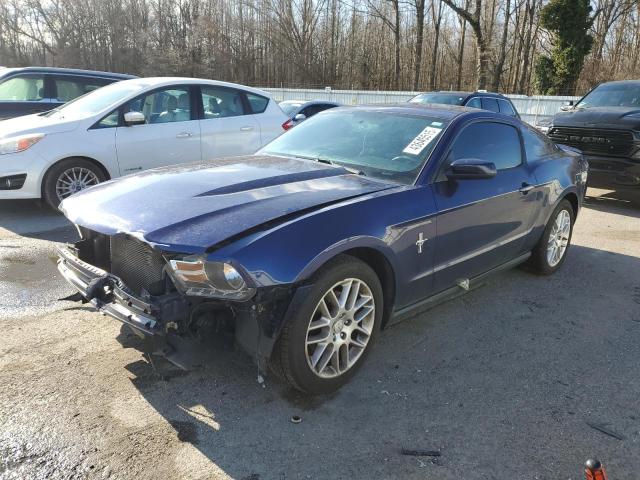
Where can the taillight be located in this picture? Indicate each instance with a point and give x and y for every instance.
(287, 125)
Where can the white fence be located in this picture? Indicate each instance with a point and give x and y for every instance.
(531, 109)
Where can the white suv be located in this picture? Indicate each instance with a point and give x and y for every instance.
(130, 126)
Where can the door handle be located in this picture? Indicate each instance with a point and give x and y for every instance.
(184, 135)
(247, 128)
(526, 188)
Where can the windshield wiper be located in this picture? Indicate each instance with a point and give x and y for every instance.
(332, 163)
(348, 169)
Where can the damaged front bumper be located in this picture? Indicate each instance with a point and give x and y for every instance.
(108, 294)
(256, 324)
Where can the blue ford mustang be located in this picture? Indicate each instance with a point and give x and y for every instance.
(355, 219)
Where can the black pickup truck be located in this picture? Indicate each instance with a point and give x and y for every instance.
(605, 126)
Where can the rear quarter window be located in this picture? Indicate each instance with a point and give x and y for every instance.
(537, 145)
(506, 108)
(258, 103)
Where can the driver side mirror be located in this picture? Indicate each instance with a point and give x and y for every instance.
(470, 169)
(299, 117)
(568, 105)
(134, 118)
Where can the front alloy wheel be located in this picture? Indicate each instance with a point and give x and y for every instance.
(340, 328)
(327, 335)
(69, 176)
(74, 180)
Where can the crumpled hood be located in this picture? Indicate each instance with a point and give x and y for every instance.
(605, 117)
(36, 124)
(191, 207)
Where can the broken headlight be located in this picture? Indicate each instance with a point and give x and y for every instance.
(198, 277)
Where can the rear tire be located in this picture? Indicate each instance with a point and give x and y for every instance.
(67, 177)
(323, 343)
(551, 250)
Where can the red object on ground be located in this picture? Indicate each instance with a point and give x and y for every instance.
(593, 470)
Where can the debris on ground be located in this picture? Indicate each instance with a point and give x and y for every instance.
(420, 453)
(607, 431)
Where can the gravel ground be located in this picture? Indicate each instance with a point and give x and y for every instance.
(507, 382)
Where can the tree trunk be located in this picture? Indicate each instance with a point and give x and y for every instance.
(419, 4)
(434, 56)
(502, 55)
(461, 52)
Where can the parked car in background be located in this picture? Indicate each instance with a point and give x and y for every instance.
(130, 126)
(346, 223)
(37, 89)
(299, 110)
(605, 126)
(494, 102)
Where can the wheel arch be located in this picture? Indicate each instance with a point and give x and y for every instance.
(572, 197)
(95, 162)
(385, 272)
(372, 252)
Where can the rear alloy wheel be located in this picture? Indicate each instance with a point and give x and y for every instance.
(327, 337)
(68, 177)
(551, 250)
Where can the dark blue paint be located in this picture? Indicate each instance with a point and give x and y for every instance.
(280, 219)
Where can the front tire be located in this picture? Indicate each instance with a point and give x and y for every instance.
(551, 250)
(68, 177)
(327, 337)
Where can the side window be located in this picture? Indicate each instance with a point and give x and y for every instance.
(494, 142)
(537, 145)
(23, 88)
(258, 103)
(68, 88)
(324, 106)
(490, 104)
(164, 106)
(474, 103)
(311, 110)
(220, 102)
(507, 108)
(111, 120)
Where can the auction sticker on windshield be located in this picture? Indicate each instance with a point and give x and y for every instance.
(424, 138)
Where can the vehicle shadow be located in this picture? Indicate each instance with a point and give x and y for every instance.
(28, 218)
(620, 202)
(494, 381)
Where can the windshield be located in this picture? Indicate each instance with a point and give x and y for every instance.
(612, 95)
(443, 98)
(383, 145)
(97, 101)
(289, 107)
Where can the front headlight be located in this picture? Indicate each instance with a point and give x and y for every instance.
(195, 276)
(19, 143)
(544, 125)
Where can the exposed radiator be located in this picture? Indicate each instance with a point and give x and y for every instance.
(137, 264)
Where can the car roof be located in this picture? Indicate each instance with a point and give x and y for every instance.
(311, 102)
(67, 71)
(468, 94)
(150, 82)
(622, 82)
(433, 110)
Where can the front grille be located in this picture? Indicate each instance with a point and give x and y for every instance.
(138, 265)
(595, 141)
